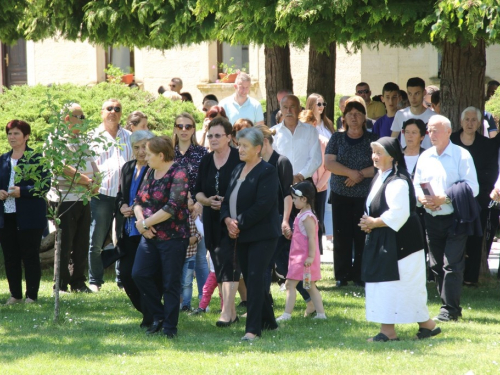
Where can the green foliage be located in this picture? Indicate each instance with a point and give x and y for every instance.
(114, 74)
(11, 12)
(27, 103)
(493, 105)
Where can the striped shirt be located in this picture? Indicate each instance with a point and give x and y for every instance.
(110, 161)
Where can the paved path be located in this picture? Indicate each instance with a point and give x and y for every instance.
(493, 260)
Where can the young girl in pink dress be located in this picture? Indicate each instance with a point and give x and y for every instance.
(304, 251)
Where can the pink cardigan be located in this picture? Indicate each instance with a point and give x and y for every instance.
(322, 175)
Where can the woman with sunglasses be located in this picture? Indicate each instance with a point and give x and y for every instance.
(189, 154)
(211, 185)
(317, 104)
(213, 112)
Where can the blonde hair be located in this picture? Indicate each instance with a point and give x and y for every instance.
(308, 117)
(267, 132)
(190, 117)
(311, 102)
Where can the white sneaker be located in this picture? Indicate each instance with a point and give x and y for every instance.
(320, 316)
(94, 288)
(284, 317)
(13, 301)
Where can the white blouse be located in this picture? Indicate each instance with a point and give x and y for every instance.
(10, 203)
(397, 198)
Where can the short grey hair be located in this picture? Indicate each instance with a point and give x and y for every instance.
(253, 135)
(210, 103)
(439, 118)
(471, 109)
(140, 135)
(343, 99)
(243, 77)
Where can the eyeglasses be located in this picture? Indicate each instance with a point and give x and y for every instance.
(363, 91)
(217, 136)
(296, 192)
(185, 127)
(213, 115)
(321, 104)
(81, 117)
(117, 109)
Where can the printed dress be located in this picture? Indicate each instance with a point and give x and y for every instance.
(299, 250)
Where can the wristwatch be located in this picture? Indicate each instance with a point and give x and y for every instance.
(447, 199)
(144, 225)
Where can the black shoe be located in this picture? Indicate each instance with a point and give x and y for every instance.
(340, 283)
(146, 323)
(119, 285)
(236, 320)
(83, 289)
(222, 324)
(359, 283)
(186, 308)
(243, 304)
(155, 327)
(199, 310)
(169, 335)
(444, 317)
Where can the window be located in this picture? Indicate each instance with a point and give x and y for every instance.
(121, 57)
(239, 54)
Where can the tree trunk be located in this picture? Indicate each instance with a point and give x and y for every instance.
(462, 79)
(57, 271)
(278, 76)
(321, 75)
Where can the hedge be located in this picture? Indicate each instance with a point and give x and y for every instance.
(28, 103)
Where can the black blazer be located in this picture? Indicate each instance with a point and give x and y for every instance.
(31, 210)
(128, 171)
(257, 205)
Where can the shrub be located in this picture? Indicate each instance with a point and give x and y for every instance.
(28, 103)
(493, 106)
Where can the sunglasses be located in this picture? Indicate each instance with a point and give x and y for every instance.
(363, 91)
(81, 117)
(185, 127)
(117, 109)
(296, 192)
(321, 104)
(217, 136)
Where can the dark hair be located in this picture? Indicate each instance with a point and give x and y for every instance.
(377, 98)
(164, 145)
(436, 97)
(190, 117)
(416, 82)
(308, 191)
(390, 86)
(134, 119)
(23, 126)
(278, 116)
(221, 121)
(161, 90)
(240, 124)
(186, 97)
(362, 84)
(404, 95)
(215, 110)
(493, 83)
(210, 97)
(419, 123)
(349, 107)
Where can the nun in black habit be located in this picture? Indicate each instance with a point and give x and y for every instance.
(393, 266)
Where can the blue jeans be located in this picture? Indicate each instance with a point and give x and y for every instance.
(168, 257)
(201, 267)
(187, 280)
(102, 210)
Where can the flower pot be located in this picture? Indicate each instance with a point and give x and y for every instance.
(228, 78)
(128, 78)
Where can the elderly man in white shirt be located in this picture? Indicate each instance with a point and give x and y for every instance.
(299, 142)
(110, 163)
(443, 165)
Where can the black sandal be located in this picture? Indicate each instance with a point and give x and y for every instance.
(424, 333)
(380, 337)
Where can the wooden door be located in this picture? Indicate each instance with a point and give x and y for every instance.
(14, 64)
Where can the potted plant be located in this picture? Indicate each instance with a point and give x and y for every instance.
(116, 75)
(128, 78)
(229, 71)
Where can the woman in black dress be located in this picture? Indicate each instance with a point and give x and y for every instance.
(213, 179)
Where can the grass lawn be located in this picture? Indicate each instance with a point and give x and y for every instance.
(100, 334)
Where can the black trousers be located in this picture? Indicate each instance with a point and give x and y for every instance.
(474, 251)
(21, 247)
(319, 207)
(75, 226)
(447, 260)
(254, 258)
(348, 238)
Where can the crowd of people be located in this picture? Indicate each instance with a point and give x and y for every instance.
(254, 196)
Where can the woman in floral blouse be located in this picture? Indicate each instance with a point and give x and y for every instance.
(188, 153)
(162, 219)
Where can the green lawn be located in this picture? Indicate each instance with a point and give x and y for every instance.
(100, 334)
